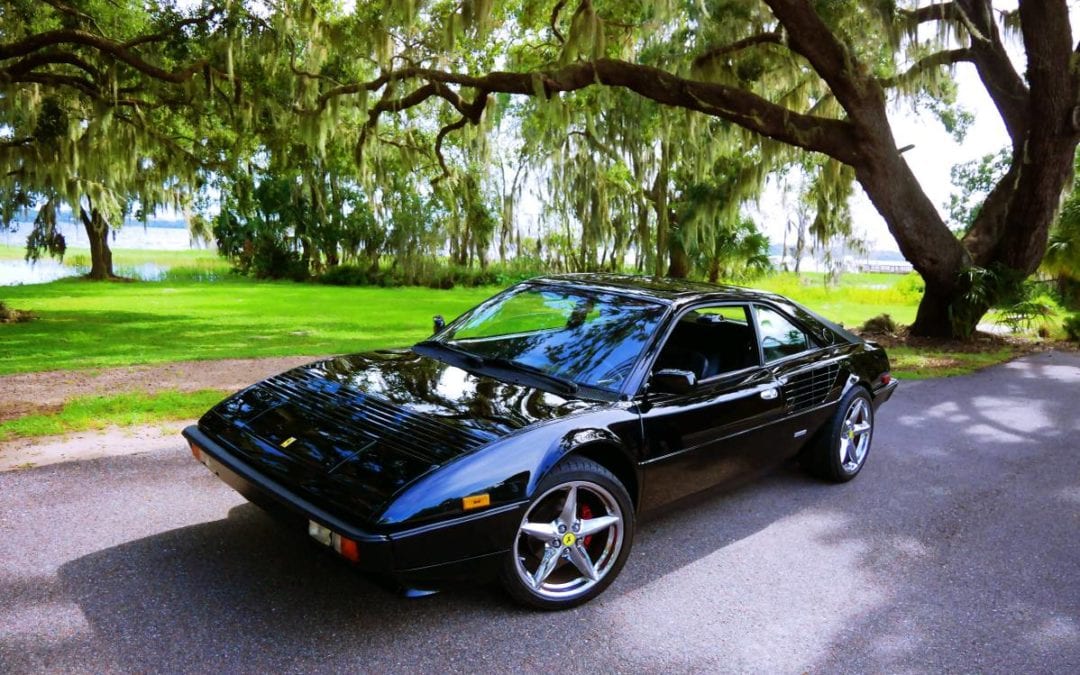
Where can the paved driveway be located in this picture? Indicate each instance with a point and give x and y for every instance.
(957, 549)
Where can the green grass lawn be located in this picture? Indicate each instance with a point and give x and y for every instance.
(85, 324)
(122, 410)
(910, 363)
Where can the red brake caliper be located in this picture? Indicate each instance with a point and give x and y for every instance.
(586, 513)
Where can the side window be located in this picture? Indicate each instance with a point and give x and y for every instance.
(710, 341)
(779, 337)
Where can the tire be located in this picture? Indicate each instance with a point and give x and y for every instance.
(559, 559)
(839, 452)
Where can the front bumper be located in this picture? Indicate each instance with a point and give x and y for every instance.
(457, 549)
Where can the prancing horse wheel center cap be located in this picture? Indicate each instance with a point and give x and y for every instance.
(569, 539)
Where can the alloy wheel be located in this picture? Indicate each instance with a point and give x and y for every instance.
(569, 540)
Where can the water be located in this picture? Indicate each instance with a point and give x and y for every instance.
(14, 272)
(128, 236)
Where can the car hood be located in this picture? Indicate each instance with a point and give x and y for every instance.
(353, 431)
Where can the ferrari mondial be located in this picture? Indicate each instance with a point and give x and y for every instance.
(523, 439)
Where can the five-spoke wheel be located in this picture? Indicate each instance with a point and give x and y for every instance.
(855, 435)
(573, 539)
(839, 451)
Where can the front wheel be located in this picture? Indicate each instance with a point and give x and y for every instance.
(573, 540)
(840, 450)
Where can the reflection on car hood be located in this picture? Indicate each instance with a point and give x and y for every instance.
(353, 431)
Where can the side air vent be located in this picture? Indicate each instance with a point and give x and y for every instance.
(808, 388)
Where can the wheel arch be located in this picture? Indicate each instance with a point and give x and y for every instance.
(608, 455)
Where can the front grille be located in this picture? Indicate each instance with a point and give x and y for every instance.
(809, 388)
(412, 434)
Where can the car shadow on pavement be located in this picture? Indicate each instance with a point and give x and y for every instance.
(248, 592)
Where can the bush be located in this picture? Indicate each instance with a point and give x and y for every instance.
(883, 323)
(345, 275)
(1023, 314)
(1072, 326)
(439, 275)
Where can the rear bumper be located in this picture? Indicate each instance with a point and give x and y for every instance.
(458, 549)
(885, 392)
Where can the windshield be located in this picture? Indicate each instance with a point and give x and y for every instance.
(587, 337)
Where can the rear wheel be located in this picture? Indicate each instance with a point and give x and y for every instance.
(573, 540)
(839, 452)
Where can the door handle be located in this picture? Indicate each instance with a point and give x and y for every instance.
(769, 394)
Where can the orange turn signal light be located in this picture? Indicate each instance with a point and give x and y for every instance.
(476, 501)
(346, 547)
(196, 451)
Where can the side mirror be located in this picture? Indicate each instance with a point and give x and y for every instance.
(439, 323)
(672, 381)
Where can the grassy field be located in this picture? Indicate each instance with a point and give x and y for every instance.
(122, 410)
(85, 324)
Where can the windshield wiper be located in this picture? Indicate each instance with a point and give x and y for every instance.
(474, 360)
(567, 385)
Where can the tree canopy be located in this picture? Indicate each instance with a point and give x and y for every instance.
(648, 124)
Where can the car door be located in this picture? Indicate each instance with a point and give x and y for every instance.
(715, 433)
(809, 375)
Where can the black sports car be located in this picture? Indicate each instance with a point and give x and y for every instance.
(524, 438)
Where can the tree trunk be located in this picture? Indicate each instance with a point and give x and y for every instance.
(659, 197)
(714, 269)
(679, 265)
(97, 231)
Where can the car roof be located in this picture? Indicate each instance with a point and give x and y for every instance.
(662, 289)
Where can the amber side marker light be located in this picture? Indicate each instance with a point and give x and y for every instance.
(196, 451)
(476, 501)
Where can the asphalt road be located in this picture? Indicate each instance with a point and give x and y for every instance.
(957, 549)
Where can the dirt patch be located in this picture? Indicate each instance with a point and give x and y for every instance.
(980, 342)
(29, 393)
(8, 315)
(27, 453)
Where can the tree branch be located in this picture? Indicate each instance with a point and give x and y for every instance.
(943, 11)
(461, 122)
(115, 49)
(29, 63)
(996, 70)
(554, 20)
(945, 58)
(65, 8)
(811, 37)
(750, 111)
(171, 30)
(774, 37)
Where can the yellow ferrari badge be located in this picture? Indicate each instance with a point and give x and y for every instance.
(568, 539)
(288, 441)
